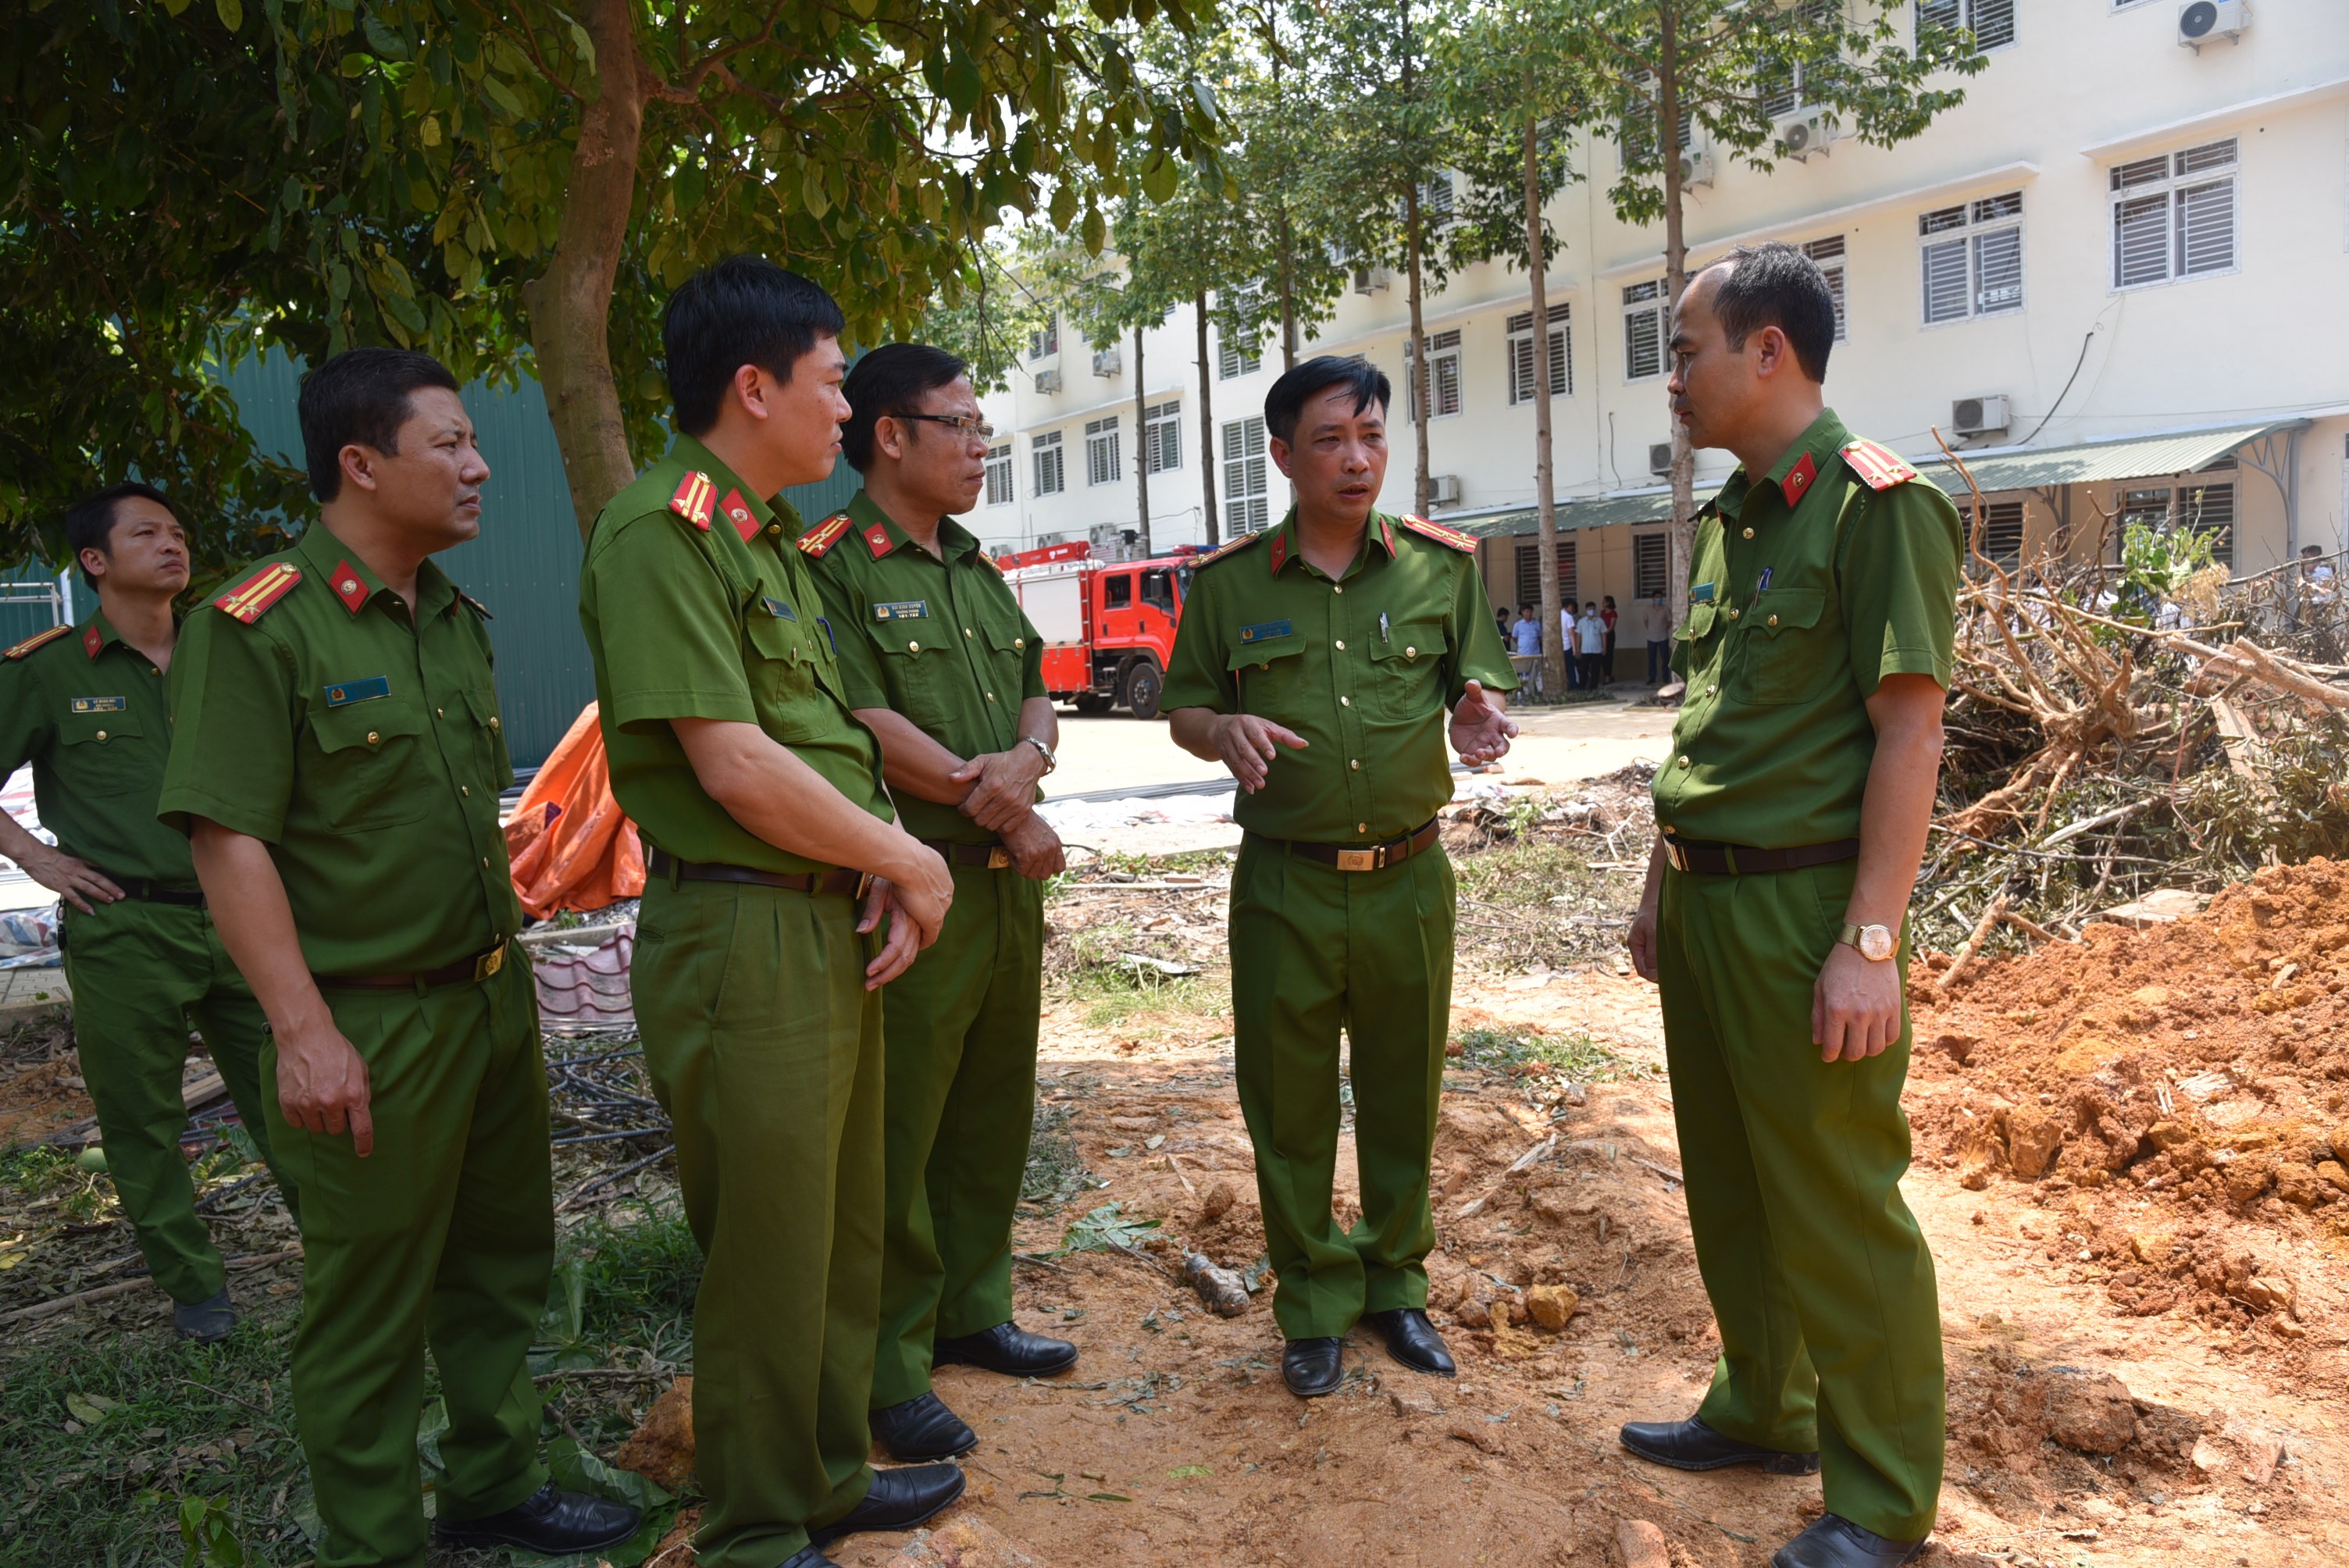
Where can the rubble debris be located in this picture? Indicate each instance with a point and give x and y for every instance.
(1223, 1290)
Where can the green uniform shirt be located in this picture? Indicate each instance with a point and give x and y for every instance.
(93, 716)
(1805, 590)
(1363, 667)
(943, 641)
(697, 606)
(363, 746)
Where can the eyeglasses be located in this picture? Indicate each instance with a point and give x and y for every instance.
(962, 425)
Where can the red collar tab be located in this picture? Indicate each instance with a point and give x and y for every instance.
(1879, 467)
(1798, 479)
(345, 581)
(1279, 556)
(692, 499)
(737, 512)
(91, 641)
(1386, 536)
(876, 540)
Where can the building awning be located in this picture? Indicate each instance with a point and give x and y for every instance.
(2125, 457)
(1595, 511)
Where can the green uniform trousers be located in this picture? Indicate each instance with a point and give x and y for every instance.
(444, 1236)
(961, 1031)
(765, 1049)
(1830, 1327)
(1316, 949)
(140, 973)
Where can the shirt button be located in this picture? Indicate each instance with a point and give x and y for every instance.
(439, 713)
(1018, 643)
(1712, 691)
(1357, 765)
(966, 631)
(912, 647)
(1749, 533)
(102, 734)
(1774, 620)
(373, 738)
(494, 721)
(1362, 827)
(465, 790)
(990, 696)
(1684, 761)
(1732, 612)
(1337, 587)
(1342, 702)
(774, 528)
(485, 863)
(1411, 653)
(1341, 644)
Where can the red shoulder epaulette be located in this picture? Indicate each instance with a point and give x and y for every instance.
(1464, 543)
(990, 560)
(1217, 554)
(479, 608)
(34, 641)
(1880, 468)
(876, 540)
(824, 535)
(257, 593)
(691, 501)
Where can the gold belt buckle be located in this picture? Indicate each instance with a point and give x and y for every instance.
(490, 963)
(864, 886)
(1358, 859)
(1675, 856)
(997, 857)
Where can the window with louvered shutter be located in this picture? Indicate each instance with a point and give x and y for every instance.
(1971, 258)
(2211, 509)
(1442, 358)
(1051, 479)
(1521, 355)
(1991, 22)
(2141, 239)
(1643, 331)
(1245, 498)
(2206, 228)
(2174, 216)
(1945, 281)
(1101, 466)
(1830, 255)
(2001, 535)
(999, 474)
(1529, 574)
(1162, 436)
(1652, 560)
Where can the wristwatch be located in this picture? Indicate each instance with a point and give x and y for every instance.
(1050, 762)
(1875, 942)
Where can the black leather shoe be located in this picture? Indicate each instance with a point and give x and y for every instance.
(1690, 1445)
(205, 1321)
(1007, 1348)
(1312, 1368)
(550, 1520)
(1412, 1340)
(921, 1427)
(1836, 1541)
(900, 1499)
(808, 1557)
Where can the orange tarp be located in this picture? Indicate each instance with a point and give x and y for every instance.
(571, 847)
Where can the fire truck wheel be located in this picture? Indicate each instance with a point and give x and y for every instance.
(1144, 683)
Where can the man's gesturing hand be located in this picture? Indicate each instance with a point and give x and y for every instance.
(1249, 744)
(322, 1084)
(77, 881)
(1480, 732)
(1855, 1005)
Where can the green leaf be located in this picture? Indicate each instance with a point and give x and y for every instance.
(812, 195)
(1096, 232)
(89, 1409)
(1106, 1229)
(231, 13)
(963, 84)
(1158, 175)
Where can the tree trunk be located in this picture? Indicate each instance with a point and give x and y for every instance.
(1140, 452)
(1554, 652)
(1422, 397)
(1288, 298)
(1207, 422)
(570, 306)
(1668, 131)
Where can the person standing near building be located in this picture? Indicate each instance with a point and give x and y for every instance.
(1608, 614)
(938, 659)
(1656, 620)
(1590, 633)
(1316, 661)
(88, 707)
(336, 757)
(1526, 653)
(1792, 815)
(1569, 638)
(771, 860)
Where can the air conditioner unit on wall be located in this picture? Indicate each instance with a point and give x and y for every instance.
(1978, 415)
(2201, 21)
(1107, 362)
(1696, 166)
(1047, 383)
(1443, 490)
(1806, 133)
(1372, 279)
(1659, 458)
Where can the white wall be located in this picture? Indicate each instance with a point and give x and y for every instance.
(2085, 86)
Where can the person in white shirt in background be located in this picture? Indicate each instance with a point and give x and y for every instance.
(1590, 633)
(1526, 644)
(1656, 618)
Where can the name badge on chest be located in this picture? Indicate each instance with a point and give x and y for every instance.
(1264, 630)
(903, 610)
(342, 694)
(101, 705)
(778, 610)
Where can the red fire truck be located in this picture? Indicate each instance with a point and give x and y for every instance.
(1107, 625)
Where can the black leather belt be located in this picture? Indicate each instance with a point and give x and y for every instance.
(1363, 857)
(835, 883)
(1745, 860)
(995, 857)
(149, 891)
(480, 966)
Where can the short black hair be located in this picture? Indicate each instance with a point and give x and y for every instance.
(359, 398)
(744, 310)
(891, 380)
(1286, 401)
(1775, 284)
(89, 522)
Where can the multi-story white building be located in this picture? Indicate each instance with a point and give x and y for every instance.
(2117, 278)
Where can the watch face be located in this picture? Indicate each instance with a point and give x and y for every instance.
(1875, 943)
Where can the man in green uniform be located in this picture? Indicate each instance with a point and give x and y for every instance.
(939, 662)
(756, 976)
(338, 758)
(1316, 661)
(1793, 812)
(86, 707)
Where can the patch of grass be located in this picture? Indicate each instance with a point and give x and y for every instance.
(1577, 1058)
(1534, 899)
(1149, 868)
(1056, 1169)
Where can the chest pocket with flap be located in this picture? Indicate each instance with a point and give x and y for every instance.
(1268, 670)
(1785, 648)
(782, 661)
(91, 739)
(362, 764)
(1408, 670)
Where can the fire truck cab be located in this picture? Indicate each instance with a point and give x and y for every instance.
(1107, 625)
